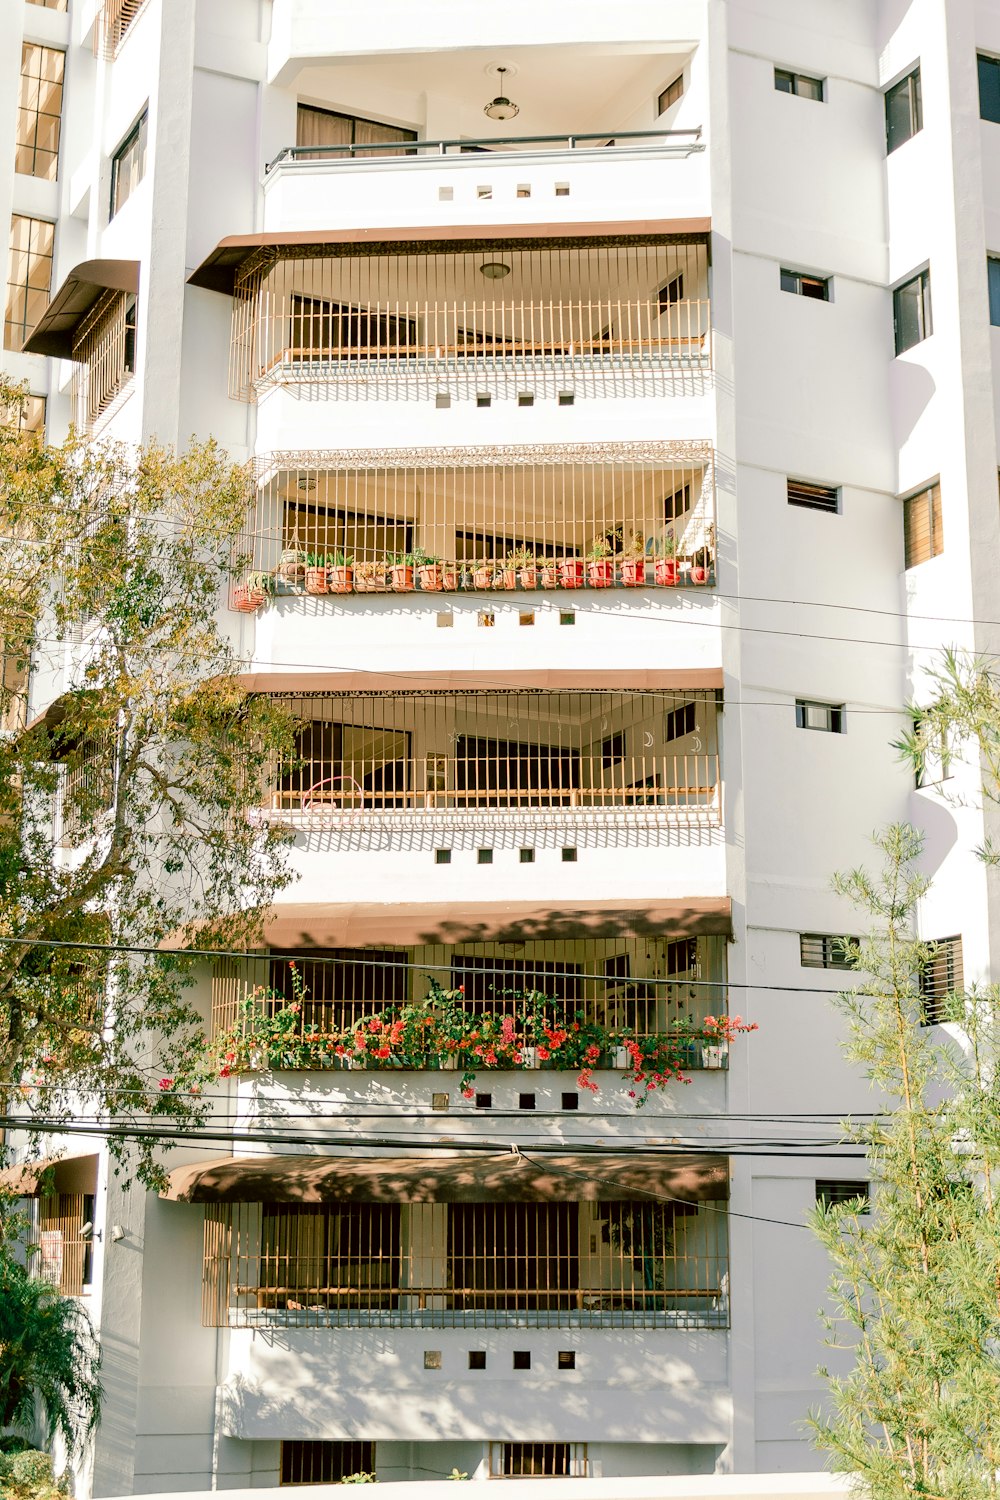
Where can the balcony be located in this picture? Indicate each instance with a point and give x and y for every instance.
(635, 515)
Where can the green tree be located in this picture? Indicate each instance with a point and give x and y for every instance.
(123, 827)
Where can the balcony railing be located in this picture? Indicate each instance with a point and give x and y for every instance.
(617, 1263)
(672, 142)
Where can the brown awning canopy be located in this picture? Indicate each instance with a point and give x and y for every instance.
(575, 679)
(361, 924)
(219, 270)
(462, 1177)
(55, 332)
(70, 1174)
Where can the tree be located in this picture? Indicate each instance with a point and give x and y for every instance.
(123, 810)
(916, 1286)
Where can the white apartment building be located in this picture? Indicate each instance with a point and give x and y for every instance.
(655, 344)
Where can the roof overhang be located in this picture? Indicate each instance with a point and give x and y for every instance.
(55, 332)
(75, 1173)
(220, 270)
(297, 925)
(460, 1177)
(552, 679)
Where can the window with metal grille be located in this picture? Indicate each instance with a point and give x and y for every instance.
(116, 19)
(670, 94)
(613, 750)
(814, 496)
(911, 312)
(65, 1254)
(941, 975)
(340, 985)
(104, 355)
(829, 717)
(798, 83)
(39, 111)
(485, 980)
(680, 721)
(830, 1193)
(671, 293)
(804, 285)
(923, 532)
(936, 753)
(128, 165)
(29, 277)
(903, 111)
(538, 1460)
(324, 1463)
(323, 131)
(989, 87)
(820, 950)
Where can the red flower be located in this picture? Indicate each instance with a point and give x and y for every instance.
(383, 1051)
(543, 1054)
(468, 1093)
(195, 1088)
(224, 1072)
(230, 1057)
(165, 1084)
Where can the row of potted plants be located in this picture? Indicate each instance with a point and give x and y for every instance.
(442, 1032)
(338, 573)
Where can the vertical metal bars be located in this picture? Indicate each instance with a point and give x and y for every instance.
(104, 356)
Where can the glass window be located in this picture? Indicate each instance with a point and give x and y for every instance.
(911, 310)
(28, 413)
(670, 95)
(798, 83)
(830, 1194)
(993, 281)
(801, 285)
(903, 114)
(824, 716)
(29, 277)
(327, 128)
(923, 534)
(989, 88)
(39, 110)
(128, 165)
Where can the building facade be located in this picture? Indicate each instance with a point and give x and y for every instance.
(618, 386)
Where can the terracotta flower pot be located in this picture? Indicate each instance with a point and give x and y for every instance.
(431, 578)
(666, 572)
(248, 600)
(528, 578)
(317, 581)
(341, 580)
(571, 573)
(402, 579)
(548, 578)
(482, 578)
(373, 580)
(633, 572)
(449, 580)
(601, 573)
(699, 574)
(507, 578)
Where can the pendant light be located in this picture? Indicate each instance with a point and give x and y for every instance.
(501, 108)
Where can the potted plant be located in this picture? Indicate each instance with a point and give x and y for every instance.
(430, 572)
(665, 566)
(600, 564)
(371, 577)
(522, 559)
(449, 578)
(548, 575)
(316, 576)
(633, 563)
(401, 572)
(571, 572)
(701, 564)
(292, 563)
(482, 573)
(253, 593)
(340, 573)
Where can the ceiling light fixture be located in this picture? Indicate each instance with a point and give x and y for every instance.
(494, 270)
(501, 108)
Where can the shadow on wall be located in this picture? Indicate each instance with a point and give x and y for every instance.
(911, 388)
(939, 828)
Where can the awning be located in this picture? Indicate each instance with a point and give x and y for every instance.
(564, 679)
(461, 1177)
(55, 332)
(219, 270)
(361, 924)
(70, 1174)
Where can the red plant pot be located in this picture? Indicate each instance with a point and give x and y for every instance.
(633, 572)
(699, 575)
(547, 578)
(601, 575)
(666, 572)
(248, 600)
(529, 578)
(571, 573)
(431, 579)
(402, 579)
(507, 578)
(449, 580)
(317, 581)
(341, 580)
(482, 578)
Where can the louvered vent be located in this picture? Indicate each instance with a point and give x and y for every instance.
(814, 496)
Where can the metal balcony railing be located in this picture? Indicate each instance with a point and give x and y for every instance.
(673, 142)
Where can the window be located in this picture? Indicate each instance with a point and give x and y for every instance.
(613, 750)
(825, 716)
(671, 293)
(29, 277)
(829, 1194)
(105, 356)
(798, 83)
(39, 111)
(117, 16)
(989, 88)
(50, 4)
(670, 94)
(936, 753)
(911, 312)
(327, 130)
(903, 114)
(993, 282)
(680, 721)
(325, 1463)
(128, 165)
(942, 975)
(537, 1460)
(817, 287)
(923, 535)
(814, 496)
(29, 415)
(820, 950)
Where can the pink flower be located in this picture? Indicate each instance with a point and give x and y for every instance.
(383, 1051)
(165, 1084)
(468, 1093)
(543, 1054)
(224, 1072)
(195, 1088)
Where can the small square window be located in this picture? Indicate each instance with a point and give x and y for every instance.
(569, 855)
(483, 398)
(440, 1101)
(525, 1101)
(567, 617)
(484, 856)
(522, 1359)
(526, 617)
(803, 285)
(831, 1193)
(798, 83)
(821, 950)
(477, 1359)
(814, 496)
(571, 1100)
(903, 113)
(526, 856)
(445, 619)
(442, 856)
(829, 717)
(989, 88)
(525, 398)
(670, 94)
(446, 194)
(486, 618)
(524, 190)
(562, 189)
(484, 192)
(567, 1359)
(442, 400)
(432, 1359)
(566, 398)
(911, 312)
(484, 1101)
